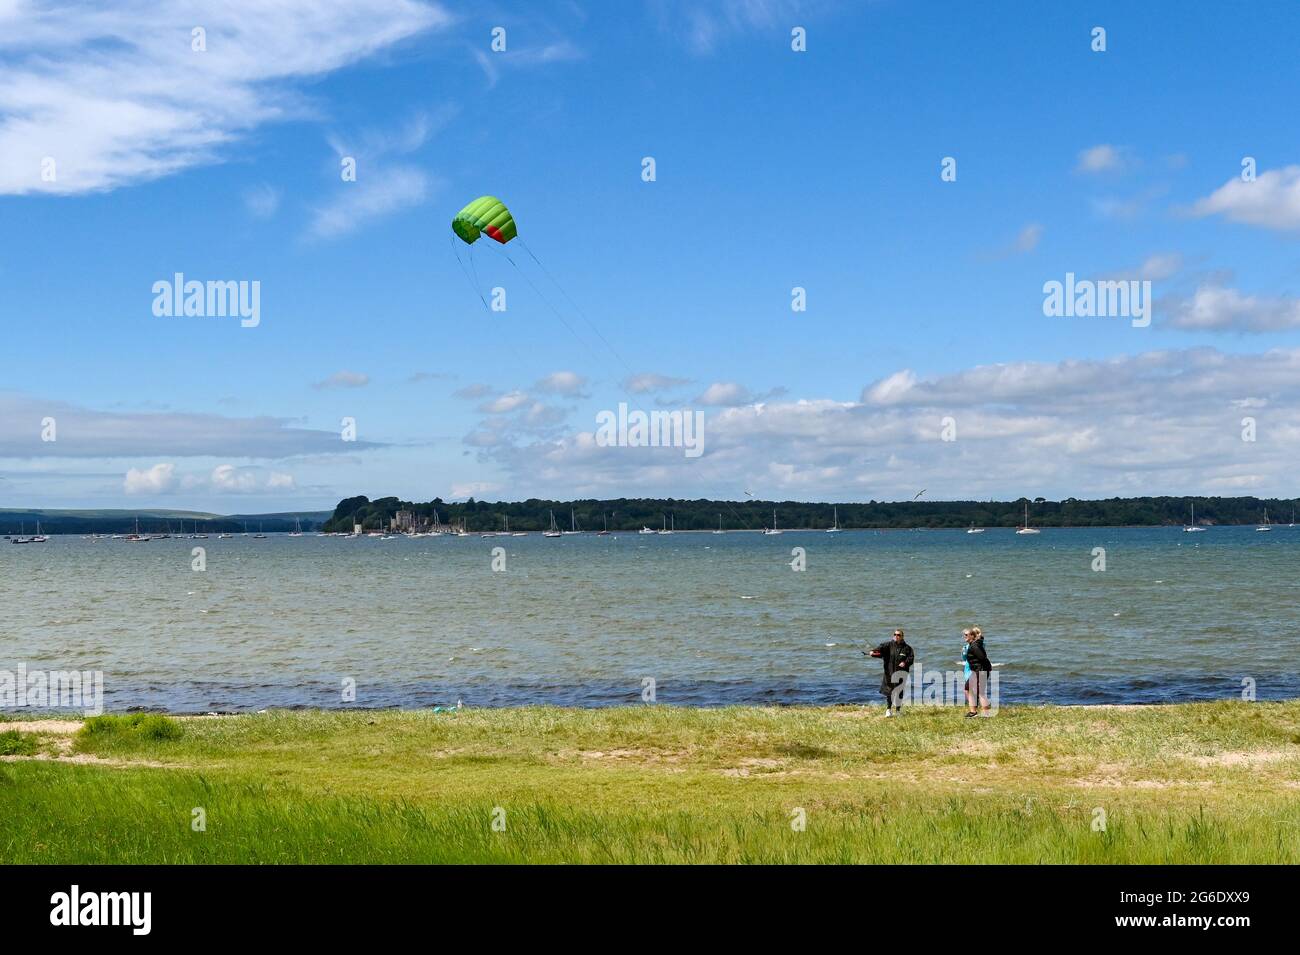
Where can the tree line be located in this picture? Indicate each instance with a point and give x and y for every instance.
(631, 514)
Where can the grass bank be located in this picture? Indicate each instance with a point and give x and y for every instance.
(1196, 783)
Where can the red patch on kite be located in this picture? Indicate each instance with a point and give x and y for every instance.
(495, 233)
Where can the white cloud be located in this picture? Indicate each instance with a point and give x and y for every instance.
(567, 383)
(1218, 308)
(262, 201)
(344, 379)
(1100, 158)
(1157, 422)
(226, 478)
(374, 195)
(725, 393)
(1029, 237)
(703, 28)
(159, 479)
(116, 96)
(473, 489)
(87, 433)
(508, 402)
(1155, 268)
(649, 382)
(1272, 201)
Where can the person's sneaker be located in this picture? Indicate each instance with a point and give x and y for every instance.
(888, 711)
(971, 715)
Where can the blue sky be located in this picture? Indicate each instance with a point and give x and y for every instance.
(775, 169)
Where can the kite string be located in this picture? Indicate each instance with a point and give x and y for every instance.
(568, 298)
(472, 282)
(553, 309)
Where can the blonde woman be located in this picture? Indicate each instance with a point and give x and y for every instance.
(968, 672)
(978, 669)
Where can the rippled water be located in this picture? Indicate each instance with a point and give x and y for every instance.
(712, 619)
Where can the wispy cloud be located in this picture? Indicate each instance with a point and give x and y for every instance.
(492, 63)
(1101, 158)
(117, 95)
(262, 201)
(344, 379)
(649, 382)
(704, 27)
(88, 433)
(383, 183)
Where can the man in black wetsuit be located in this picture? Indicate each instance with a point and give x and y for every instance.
(897, 657)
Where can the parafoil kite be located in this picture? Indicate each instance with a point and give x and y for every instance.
(485, 214)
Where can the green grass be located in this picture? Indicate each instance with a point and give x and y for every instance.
(1201, 783)
(112, 733)
(14, 743)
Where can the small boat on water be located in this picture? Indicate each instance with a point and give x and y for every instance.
(1266, 526)
(297, 528)
(1026, 529)
(604, 533)
(669, 530)
(646, 530)
(835, 525)
(773, 530)
(1193, 527)
(137, 537)
(573, 524)
(553, 530)
(973, 529)
(719, 530)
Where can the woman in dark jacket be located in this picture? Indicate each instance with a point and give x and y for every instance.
(897, 657)
(978, 668)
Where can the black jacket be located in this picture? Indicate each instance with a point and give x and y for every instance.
(977, 657)
(895, 656)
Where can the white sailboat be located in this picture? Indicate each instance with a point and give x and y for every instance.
(297, 528)
(719, 530)
(773, 530)
(136, 538)
(666, 529)
(833, 529)
(1266, 526)
(1193, 527)
(1026, 529)
(604, 533)
(553, 530)
(573, 524)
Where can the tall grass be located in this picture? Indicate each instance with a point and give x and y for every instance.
(1211, 783)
